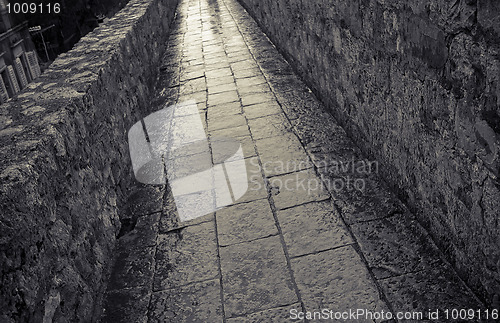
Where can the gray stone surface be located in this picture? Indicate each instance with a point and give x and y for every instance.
(395, 246)
(282, 155)
(199, 302)
(312, 227)
(257, 188)
(429, 289)
(65, 167)
(185, 256)
(416, 86)
(269, 126)
(255, 277)
(336, 279)
(245, 222)
(262, 109)
(297, 188)
(274, 250)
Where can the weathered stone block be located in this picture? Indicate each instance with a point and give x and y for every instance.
(64, 166)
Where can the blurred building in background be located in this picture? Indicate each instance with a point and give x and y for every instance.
(30, 42)
(18, 57)
(60, 31)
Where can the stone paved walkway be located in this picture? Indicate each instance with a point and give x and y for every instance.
(317, 228)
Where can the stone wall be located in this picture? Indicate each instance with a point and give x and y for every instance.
(417, 85)
(65, 166)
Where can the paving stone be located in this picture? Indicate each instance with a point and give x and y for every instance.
(270, 126)
(257, 188)
(220, 81)
(249, 72)
(432, 289)
(255, 277)
(199, 302)
(297, 188)
(234, 132)
(192, 75)
(181, 166)
(224, 110)
(222, 72)
(199, 97)
(312, 227)
(211, 65)
(361, 196)
(185, 256)
(226, 121)
(336, 279)
(223, 98)
(262, 110)
(189, 68)
(277, 315)
(245, 222)
(222, 88)
(395, 246)
(219, 149)
(282, 154)
(126, 305)
(250, 81)
(250, 99)
(244, 58)
(170, 218)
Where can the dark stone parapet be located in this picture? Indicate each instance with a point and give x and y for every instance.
(65, 166)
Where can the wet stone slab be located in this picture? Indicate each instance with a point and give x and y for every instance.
(198, 302)
(250, 81)
(226, 121)
(336, 279)
(255, 277)
(246, 73)
(217, 111)
(220, 151)
(297, 188)
(282, 155)
(262, 110)
(270, 126)
(245, 222)
(254, 180)
(170, 220)
(312, 227)
(185, 256)
(395, 246)
(234, 132)
(256, 98)
(220, 81)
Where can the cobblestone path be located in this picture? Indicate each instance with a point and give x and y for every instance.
(317, 228)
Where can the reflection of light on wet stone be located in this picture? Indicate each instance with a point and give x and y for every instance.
(172, 144)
